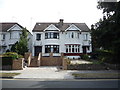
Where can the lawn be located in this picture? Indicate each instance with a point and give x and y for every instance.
(96, 75)
(8, 74)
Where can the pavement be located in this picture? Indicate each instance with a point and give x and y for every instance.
(46, 72)
(49, 72)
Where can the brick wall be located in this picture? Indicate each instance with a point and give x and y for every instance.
(64, 64)
(28, 57)
(51, 60)
(86, 67)
(18, 64)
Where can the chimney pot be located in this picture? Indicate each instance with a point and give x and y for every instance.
(61, 22)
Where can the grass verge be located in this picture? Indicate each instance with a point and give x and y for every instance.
(96, 75)
(8, 74)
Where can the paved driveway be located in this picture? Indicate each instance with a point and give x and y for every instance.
(44, 73)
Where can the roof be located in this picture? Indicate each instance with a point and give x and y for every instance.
(5, 26)
(39, 27)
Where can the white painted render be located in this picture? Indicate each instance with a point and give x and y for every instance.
(64, 38)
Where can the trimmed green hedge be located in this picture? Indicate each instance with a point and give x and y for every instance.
(13, 55)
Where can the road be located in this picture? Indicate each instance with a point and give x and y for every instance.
(81, 83)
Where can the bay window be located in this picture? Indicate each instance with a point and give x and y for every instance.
(72, 48)
(51, 48)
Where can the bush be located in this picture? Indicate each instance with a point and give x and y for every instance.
(13, 55)
(85, 57)
(103, 55)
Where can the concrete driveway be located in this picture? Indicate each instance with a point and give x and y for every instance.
(46, 72)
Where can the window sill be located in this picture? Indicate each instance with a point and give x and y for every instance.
(51, 38)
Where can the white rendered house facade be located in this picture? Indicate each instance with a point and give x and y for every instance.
(10, 34)
(72, 39)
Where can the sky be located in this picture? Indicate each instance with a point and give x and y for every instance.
(28, 12)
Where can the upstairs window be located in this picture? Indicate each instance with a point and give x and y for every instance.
(78, 35)
(51, 35)
(72, 35)
(85, 36)
(38, 36)
(3, 36)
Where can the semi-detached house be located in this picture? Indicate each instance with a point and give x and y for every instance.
(9, 34)
(72, 39)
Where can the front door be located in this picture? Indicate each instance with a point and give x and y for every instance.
(38, 49)
(84, 49)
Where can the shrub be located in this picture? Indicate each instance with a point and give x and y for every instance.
(13, 55)
(20, 56)
(103, 55)
(68, 61)
(85, 57)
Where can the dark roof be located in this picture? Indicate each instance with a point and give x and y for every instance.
(5, 26)
(39, 27)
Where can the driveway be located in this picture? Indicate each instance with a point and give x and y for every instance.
(44, 73)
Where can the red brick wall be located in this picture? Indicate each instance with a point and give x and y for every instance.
(51, 61)
(18, 64)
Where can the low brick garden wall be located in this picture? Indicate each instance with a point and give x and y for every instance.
(9, 64)
(18, 64)
(51, 61)
(86, 67)
(93, 67)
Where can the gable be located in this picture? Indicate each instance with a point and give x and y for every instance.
(51, 28)
(72, 28)
(15, 28)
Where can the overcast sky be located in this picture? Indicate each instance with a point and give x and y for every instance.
(28, 12)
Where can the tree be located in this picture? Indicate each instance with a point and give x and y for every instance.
(22, 46)
(13, 48)
(105, 33)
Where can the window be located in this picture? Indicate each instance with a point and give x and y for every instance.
(51, 48)
(69, 48)
(78, 35)
(85, 36)
(51, 35)
(3, 36)
(38, 36)
(72, 48)
(76, 48)
(66, 48)
(72, 36)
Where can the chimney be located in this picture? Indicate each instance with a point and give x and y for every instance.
(61, 22)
